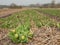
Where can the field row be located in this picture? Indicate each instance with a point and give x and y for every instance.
(18, 18)
(54, 12)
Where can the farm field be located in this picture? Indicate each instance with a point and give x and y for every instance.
(51, 12)
(55, 12)
(34, 27)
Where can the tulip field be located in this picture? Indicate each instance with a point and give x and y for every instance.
(31, 27)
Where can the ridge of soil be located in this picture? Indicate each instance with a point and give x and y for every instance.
(9, 12)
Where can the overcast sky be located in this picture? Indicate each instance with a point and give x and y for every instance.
(25, 2)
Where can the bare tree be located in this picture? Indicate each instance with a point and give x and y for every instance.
(13, 5)
(53, 3)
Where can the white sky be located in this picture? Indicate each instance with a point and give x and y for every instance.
(25, 2)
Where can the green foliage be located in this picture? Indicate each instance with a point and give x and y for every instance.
(58, 24)
(20, 22)
(21, 34)
(21, 17)
(55, 12)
